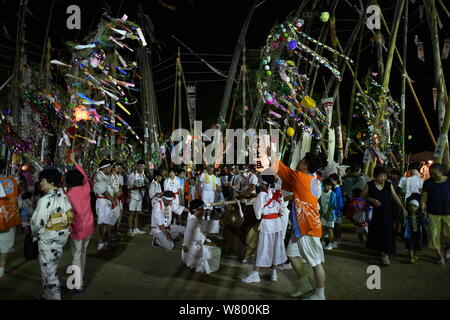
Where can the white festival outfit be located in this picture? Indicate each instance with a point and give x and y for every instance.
(136, 183)
(200, 257)
(117, 184)
(103, 207)
(50, 227)
(174, 186)
(155, 187)
(162, 216)
(209, 186)
(271, 249)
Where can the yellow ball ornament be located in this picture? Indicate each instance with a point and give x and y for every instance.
(290, 131)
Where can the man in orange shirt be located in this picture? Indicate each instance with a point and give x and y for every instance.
(306, 187)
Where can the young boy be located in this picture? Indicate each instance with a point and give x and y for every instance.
(327, 203)
(356, 211)
(270, 251)
(199, 253)
(339, 207)
(414, 231)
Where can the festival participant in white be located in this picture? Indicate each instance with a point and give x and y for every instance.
(198, 253)
(270, 251)
(155, 186)
(117, 184)
(249, 183)
(164, 233)
(173, 184)
(209, 185)
(50, 226)
(105, 203)
(136, 186)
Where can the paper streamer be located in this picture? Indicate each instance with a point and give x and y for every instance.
(277, 115)
(446, 49)
(86, 46)
(123, 108)
(420, 51)
(435, 94)
(59, 63)
(141, 36)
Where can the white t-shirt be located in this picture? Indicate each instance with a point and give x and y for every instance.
(172, 185)
(155, 187)
(162, 215)
(251, 179)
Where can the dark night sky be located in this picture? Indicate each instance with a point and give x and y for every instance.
(213, 27)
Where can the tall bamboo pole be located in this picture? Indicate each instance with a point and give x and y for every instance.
(355, 82)
(390, 57)
(438, 75)
(411, 88)
(403, 97)
(180, 121)
(233, 68)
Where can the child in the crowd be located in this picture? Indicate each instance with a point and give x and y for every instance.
(414, 232)
(339, 208)
(26, 209)
(356, 211)
(327, 203)
(270, 251)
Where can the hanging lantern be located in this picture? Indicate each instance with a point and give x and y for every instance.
(81, 113)
(308, 102)
(324, 16)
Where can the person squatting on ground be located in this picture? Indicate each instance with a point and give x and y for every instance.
(270, 252)
(9, 214)
(161, 229)
(50, 226)
(327, 203)
(105, 203)
(82, 228)
(136, 188)
(305, 240)
(199, 253)
(414, 232)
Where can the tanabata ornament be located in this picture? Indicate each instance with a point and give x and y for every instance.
(290, 131)
(308, 102)
(324, 16)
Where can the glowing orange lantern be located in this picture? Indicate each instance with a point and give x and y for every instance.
(81, 113)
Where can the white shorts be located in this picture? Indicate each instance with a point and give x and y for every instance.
(311, 250)
(7, 240)
(104, 212)
(135, 205)
(362, 229)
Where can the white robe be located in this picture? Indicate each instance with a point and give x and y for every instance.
(200, 257)
(139, 180)
(174, 186)
(103, 207)
(271, 249)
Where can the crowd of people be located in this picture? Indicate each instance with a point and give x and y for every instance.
(301, 213)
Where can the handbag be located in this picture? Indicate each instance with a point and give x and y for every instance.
(30, 248)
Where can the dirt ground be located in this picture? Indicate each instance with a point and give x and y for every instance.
(134, 270)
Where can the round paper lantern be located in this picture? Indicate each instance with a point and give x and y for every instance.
(324, 16)
(409, 137)
(81, 113)
(290, 131)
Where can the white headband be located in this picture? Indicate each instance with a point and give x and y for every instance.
(105, 166)
(414, 202)
(168, 198)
